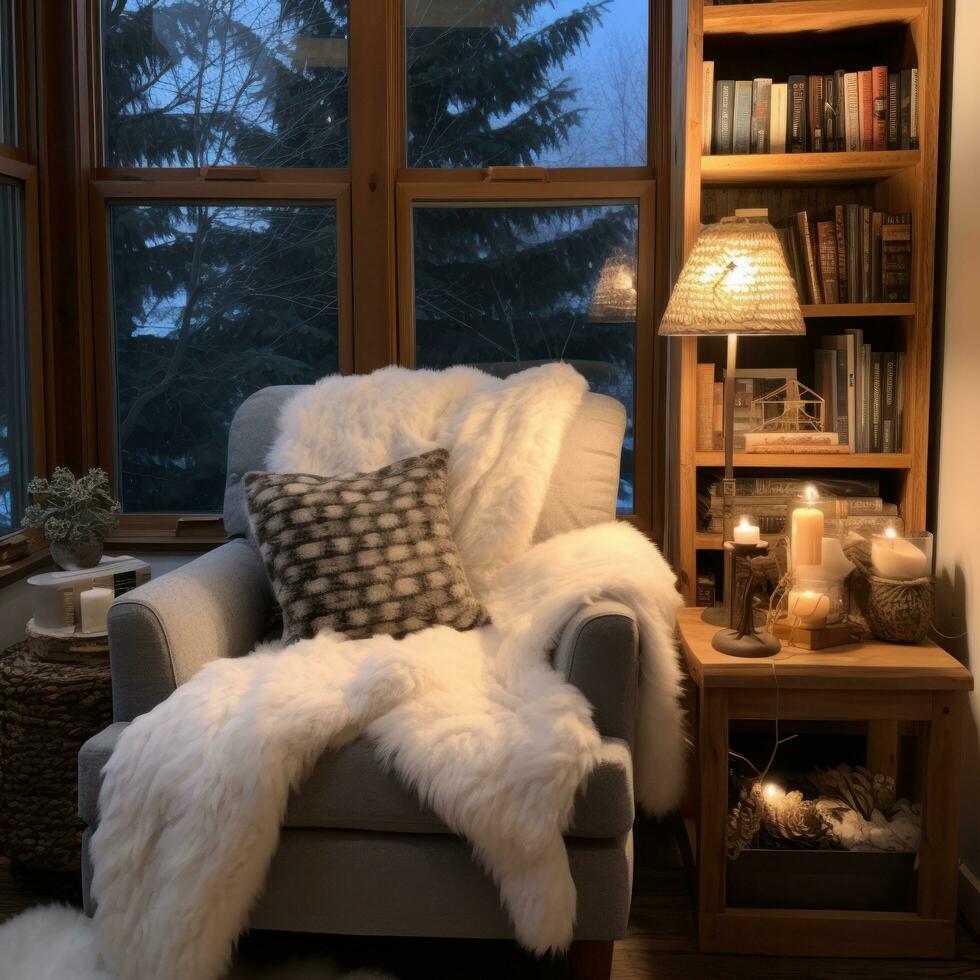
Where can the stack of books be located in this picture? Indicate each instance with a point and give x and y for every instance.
(876, 109)
(855, 255)
(849, 506)
(863, 392)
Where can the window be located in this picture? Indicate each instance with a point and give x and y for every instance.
(9, 123)
(15, 359)
(210, 303)
(504, 286)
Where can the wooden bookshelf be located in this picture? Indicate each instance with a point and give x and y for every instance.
(901, 34)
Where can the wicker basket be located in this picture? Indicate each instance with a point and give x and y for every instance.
(900, 611)
(47, 710)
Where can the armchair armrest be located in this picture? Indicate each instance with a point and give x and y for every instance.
(163, 632)
(598, 652)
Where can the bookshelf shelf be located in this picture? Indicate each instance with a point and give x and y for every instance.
(809, 15)
(783, 38)
(857, 309)
(805, 168)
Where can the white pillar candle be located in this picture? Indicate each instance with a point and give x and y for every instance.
(746, 533)
(95, 604)
(809, 608)
(806, 533)
(894, 557)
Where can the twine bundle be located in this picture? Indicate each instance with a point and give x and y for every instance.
(901, 610)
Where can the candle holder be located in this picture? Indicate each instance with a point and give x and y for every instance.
(741, 639)
(813, 615)
(901, 610)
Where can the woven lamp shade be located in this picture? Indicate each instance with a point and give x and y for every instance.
(614, 298)
(735, 281)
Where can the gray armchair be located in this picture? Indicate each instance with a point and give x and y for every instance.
(358, 854)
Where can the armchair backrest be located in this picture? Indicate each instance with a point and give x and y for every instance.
(583, 490)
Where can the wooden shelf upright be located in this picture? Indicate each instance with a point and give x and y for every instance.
(740, 39)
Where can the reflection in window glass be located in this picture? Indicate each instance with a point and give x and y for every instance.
(207, 82)
(210, 303)
(8, 75)
(15, 453)
(557, 83)
(509, 286)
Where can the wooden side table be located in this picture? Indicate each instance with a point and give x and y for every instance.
(883, 684)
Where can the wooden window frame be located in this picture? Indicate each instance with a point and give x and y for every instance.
(527, 194)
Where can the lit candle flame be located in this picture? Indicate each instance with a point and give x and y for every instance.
(744, 522)
(811, 494)
(890, 532)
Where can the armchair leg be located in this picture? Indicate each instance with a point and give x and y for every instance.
(591, 959)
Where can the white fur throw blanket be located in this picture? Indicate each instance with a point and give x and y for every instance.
(478, 723)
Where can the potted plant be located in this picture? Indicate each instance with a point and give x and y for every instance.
(75, 515)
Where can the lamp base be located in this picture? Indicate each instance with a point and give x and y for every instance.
(752, 645)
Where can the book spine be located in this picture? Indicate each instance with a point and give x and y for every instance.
(894, 139)
(724, 116)
(888, 412)
(905, 110)
(896, 258)
(827, 250)
(777, 118)
(866, 111)
(829, 118)
(914, 111)
(876, 403)
(705, 391)
(899, 400)
(853, 213)
(840, 110)
(877, 219)
(859, 420)
(808, 255)
(879, 99)
(815, 112)
(841, 239)
(866, 397)
(761, 104)
(796, 124)
(850, 349)
(843, 386)
(742, 125)
(789, 254)
(865, 255)
(852, 112)
(825, 375)
(707, 105)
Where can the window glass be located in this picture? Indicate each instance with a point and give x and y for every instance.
(210, 302)
(8, 75)
(15, 454)
(505, 287)
(557, 83)
(195, 83)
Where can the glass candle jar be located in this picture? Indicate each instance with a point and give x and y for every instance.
(813, 603)
(901, 557)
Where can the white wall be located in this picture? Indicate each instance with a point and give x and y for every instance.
(15, 599)
(958, 519)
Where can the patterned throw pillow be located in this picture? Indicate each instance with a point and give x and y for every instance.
(363, 553)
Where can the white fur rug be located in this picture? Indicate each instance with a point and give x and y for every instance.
(478, 723)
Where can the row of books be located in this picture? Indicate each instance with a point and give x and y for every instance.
(855, 255)
(845, 111)
(863, 392)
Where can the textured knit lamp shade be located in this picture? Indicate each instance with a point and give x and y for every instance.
(735, 281)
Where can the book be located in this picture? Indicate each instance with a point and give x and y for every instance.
(829, 115)
(876, 403)
(797, 124)
(865, 413)
(852, 113)
(840, 111)
(742, 120)
(846, 349)
(788, 240)
(724, 107)
(827, 252)
(905, 110)
(860, 420)
(894, 141)
(705, 594)
(815, 101)
(825, 384)
(705, 398)
(896, 258)
(899, 400)
(865, 111)
(829, 505)
(783, 486)
(707, 105)
(841, 237)
(852, 219)
(865, 254)
(877, 219)
(865, 525)
(889, 411)
(759, 125)
(775, 442)
(914, 111)
(777, 118)
(808, 257)
(879, 108)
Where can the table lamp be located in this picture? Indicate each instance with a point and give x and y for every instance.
(735, 281)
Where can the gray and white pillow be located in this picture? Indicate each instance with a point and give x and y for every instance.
(363, 553)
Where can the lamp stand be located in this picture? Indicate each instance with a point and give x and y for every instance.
(722, 615)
